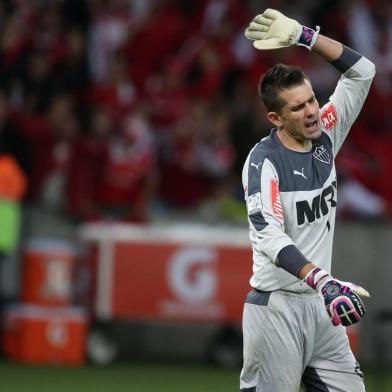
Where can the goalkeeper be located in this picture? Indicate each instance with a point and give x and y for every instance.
(294, 317)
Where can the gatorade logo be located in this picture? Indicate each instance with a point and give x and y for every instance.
(58, 280)
(192, 274)
(57, 334)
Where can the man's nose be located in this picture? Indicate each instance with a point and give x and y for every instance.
(310, 110)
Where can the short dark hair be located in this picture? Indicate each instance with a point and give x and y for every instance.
(277, 79)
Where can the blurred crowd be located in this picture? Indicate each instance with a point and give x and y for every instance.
(123, 109)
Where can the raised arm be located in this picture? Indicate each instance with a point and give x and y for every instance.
(327, 48)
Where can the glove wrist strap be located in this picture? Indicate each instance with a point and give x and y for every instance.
(315, 277)
(307, 36)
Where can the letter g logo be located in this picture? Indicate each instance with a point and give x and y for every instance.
(191, 274)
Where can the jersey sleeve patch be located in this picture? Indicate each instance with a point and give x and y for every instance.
(329, 117)
(275, 201)
(254, 203)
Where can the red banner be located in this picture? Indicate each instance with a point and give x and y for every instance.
(179, 281)
(171, 280)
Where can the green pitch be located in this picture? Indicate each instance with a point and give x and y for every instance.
(137, 377)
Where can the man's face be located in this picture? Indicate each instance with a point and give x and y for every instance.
(300, 117)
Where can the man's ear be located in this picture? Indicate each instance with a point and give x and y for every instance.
(275, 118)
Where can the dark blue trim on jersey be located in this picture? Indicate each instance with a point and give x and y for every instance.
(291, 259)
(297, 171)
(302, 171)
(258, 221)
(256, 161)
(346, 60)
(251, 389)
(257, 297)
(312, 381)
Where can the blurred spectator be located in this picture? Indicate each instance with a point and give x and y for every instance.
(357, 202)
(112, 172)
(49, 30)
(36, 82)
(197, 157)
(116, 92)
(110, 22)
(182, 181)
(72, 73)
(216, 151)
(11, 141)
(207, 72)
(127, 179)
(146, 48)
(50, 137)
(13, 44)
(168, 95)
(86, 166)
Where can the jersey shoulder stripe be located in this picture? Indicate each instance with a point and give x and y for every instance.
(256, 160)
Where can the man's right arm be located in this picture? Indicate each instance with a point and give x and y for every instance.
(349, 96)
(265, 212)
(329, 49)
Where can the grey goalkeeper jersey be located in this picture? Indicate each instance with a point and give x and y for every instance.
(291, 196)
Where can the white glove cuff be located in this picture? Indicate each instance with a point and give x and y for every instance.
(315, 277)
(307, 36)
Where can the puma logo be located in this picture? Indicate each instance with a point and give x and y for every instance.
(256, 166)
(301, 173)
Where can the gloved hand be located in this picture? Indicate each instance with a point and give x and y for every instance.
(342, 299)
(273, 30)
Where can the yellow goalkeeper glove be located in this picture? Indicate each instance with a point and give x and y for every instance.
(273, 30)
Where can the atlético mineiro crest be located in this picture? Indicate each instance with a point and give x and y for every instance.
(321, 153)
